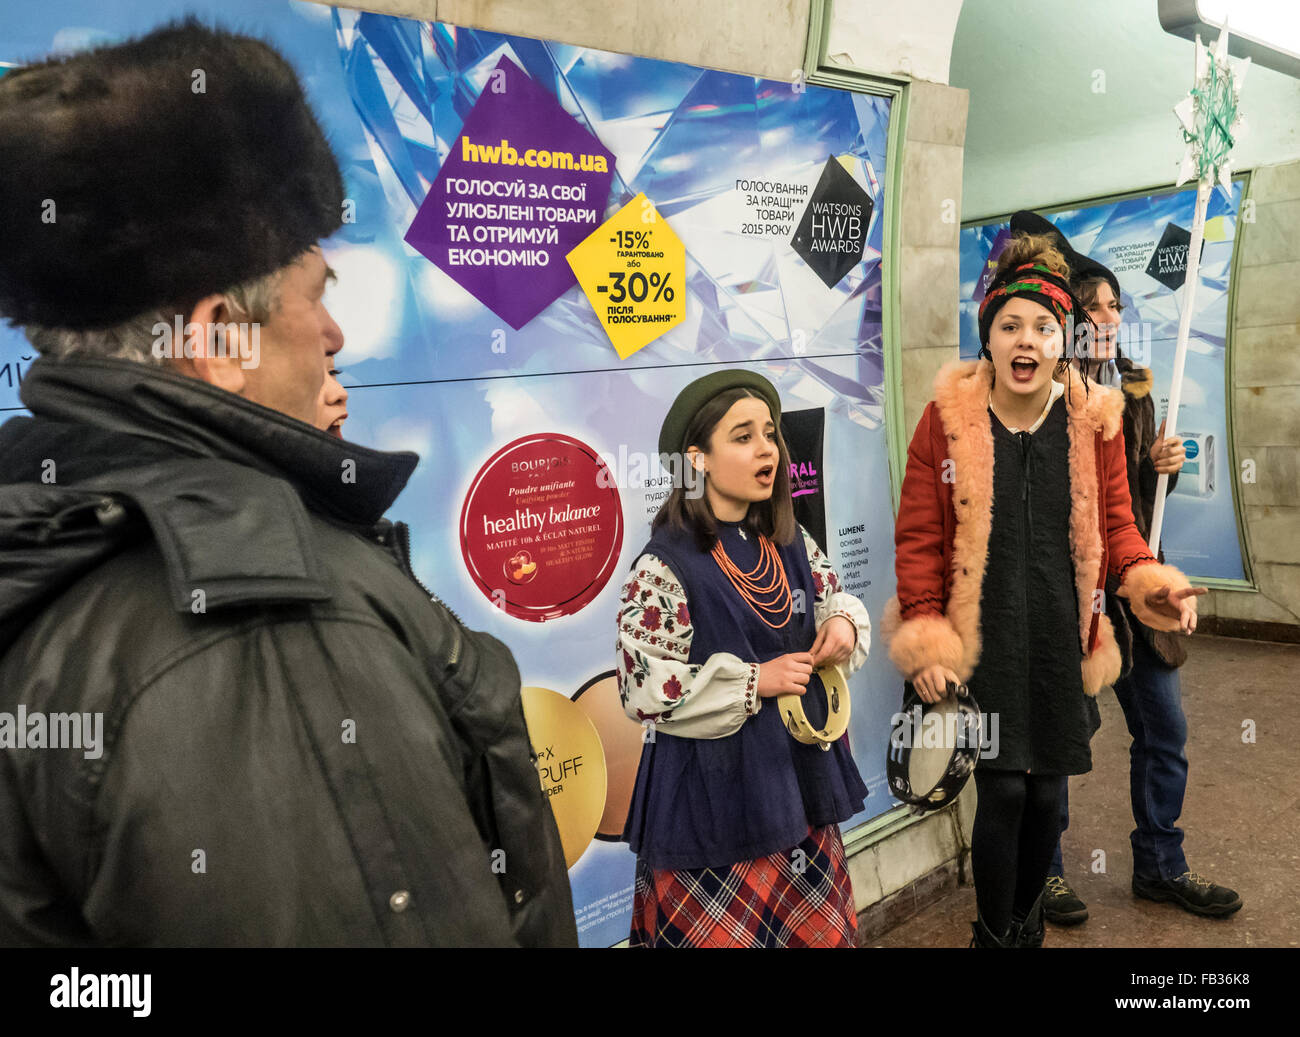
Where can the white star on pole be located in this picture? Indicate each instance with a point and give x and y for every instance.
(1210, 115)
(1211, 126)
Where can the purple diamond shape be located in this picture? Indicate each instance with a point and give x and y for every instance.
(507, 248)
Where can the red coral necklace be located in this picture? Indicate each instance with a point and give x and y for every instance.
(765, 587)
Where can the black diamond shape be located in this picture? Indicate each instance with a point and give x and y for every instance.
(1169, 261)
(833, 229)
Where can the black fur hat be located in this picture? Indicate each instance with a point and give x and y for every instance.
(124, 186)
(1082, 267)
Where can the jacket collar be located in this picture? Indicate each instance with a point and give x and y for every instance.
(225, 486)
(1136, 381)
(189, 419)
(962, 387)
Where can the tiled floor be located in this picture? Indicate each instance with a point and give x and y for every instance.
(1241, 816)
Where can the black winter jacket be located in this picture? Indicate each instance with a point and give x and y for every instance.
(1139, 435)
(299, 746)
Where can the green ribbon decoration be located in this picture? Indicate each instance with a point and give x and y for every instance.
(1216, 111)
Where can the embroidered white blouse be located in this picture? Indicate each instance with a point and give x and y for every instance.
(714, 698)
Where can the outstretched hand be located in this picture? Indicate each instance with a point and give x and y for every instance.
(1177, 604)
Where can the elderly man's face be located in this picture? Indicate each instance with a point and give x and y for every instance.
(296, 342)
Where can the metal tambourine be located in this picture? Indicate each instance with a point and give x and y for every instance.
(906, 733)
(837, 711)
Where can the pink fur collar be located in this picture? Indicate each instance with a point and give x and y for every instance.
(964, 385)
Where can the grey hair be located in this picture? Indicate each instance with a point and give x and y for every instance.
(255, 300)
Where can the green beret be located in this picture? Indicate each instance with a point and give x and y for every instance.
(689, 401)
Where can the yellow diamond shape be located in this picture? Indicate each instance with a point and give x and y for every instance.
(633, 270)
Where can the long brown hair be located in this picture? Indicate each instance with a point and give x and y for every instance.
(1087, 289)
(772, 518)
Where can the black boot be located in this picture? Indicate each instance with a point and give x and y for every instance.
(983, 936)
(1031, 931)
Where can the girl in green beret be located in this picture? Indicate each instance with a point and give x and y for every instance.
(729, 605)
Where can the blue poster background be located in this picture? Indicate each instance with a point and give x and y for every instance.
(1200, 531)
(431, 369)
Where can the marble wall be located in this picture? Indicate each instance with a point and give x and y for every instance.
(1266, 402)
(933, 140)
(918, 43)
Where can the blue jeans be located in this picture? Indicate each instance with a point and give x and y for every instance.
(1152, 700)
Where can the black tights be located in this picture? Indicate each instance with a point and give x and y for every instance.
(1017, 824)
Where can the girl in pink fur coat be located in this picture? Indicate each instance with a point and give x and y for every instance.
(1015, 505)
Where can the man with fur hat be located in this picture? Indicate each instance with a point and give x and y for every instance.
(1149, 691)
(283, 740)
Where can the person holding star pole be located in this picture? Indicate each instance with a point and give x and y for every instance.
(1148, 691)
(731, 630)
(1015, 507)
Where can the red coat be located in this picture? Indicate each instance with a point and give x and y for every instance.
(946, 512)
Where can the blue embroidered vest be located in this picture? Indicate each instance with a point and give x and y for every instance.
(712, 802)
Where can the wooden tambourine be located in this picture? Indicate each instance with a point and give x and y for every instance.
(837, 715)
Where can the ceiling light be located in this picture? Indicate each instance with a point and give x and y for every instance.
(1265, 31)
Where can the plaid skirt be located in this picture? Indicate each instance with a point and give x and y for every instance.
(787, 899)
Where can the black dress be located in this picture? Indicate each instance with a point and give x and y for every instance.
(1028, 680)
